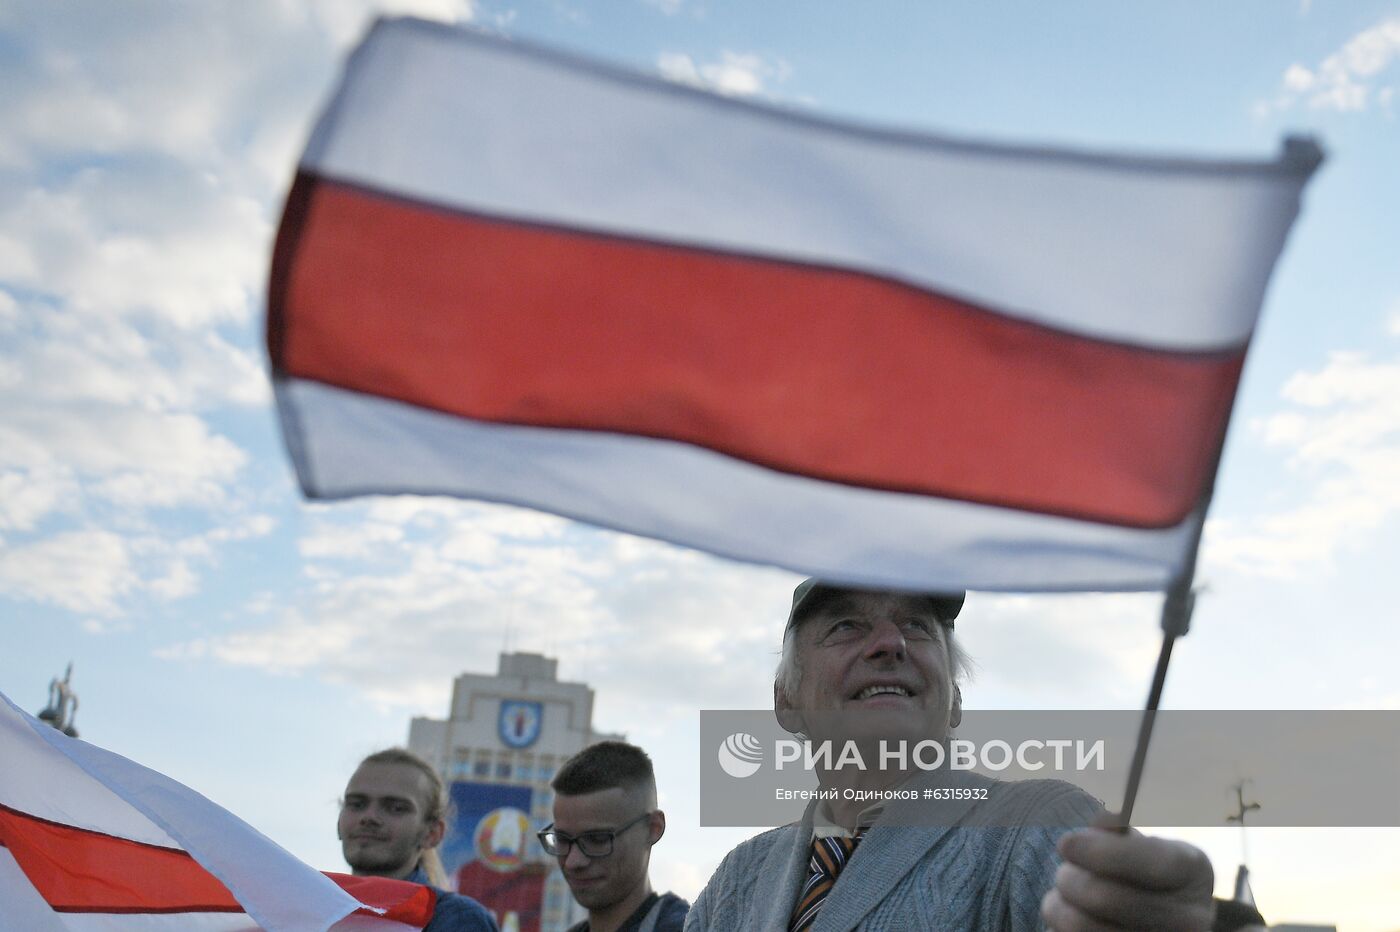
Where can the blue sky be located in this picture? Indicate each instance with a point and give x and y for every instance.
(255, 646)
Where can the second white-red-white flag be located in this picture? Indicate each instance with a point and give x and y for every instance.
(93, 842)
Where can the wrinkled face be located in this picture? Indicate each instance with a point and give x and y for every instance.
(383, 822)
(873, 665)
(600, 882)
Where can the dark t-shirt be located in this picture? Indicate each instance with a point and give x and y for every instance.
(671, 918)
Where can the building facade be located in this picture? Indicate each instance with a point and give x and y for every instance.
(502, 742)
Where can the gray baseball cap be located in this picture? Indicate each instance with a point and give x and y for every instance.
(810, 593)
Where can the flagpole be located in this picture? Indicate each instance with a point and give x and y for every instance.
(1177, 606)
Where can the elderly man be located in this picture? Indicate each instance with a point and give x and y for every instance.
(862, 665)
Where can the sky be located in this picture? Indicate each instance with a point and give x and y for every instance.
(255, 646)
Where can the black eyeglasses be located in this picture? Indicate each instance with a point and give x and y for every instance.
(597, 843)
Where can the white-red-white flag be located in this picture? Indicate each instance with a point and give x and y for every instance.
(93, 842)
(872, 356)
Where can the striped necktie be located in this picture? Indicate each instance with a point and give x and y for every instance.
(829, 856)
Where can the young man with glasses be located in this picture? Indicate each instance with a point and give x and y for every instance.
(605, 822)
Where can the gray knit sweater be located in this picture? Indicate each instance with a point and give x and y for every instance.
(904, 876)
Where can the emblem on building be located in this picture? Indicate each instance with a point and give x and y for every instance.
(519, 725)
(500, 839)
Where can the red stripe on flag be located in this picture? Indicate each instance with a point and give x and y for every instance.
(78, 870)
(771, 362)
(82, 871)
(405, 902)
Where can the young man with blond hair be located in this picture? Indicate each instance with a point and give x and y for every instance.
(391, 823)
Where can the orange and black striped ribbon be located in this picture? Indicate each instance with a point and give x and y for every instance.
(829, 856)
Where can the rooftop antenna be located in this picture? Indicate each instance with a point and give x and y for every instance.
(1243, 892)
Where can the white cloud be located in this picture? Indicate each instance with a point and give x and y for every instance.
(73, 358)
(173, 244)
(1070, 648)
(1298, 78)
(1341, 433)
(442, 596)
(131, 457)
(669, 7)
(1347, 79)
(346, 20)
(679, 66)
(653, 627)
(403, 594)
(465, 532)
(175, 79)
(246, 528)
(98, 408)
(739, 74)
(168, 85)
(421, 510)
(337, 541)
(27, 495)
(144, 159)
(102, 626)
(83, 571)
(176, 582)
(99, 571)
